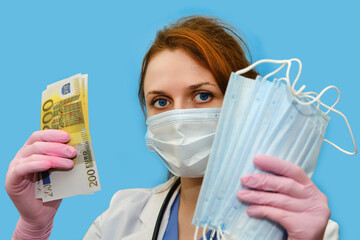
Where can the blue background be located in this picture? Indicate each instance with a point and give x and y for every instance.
(45, 41)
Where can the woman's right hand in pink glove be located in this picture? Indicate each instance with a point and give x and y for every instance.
(43, 150)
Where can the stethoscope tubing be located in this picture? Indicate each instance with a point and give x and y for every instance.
(163, 209)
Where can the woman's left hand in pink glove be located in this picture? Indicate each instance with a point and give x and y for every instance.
(289, 198)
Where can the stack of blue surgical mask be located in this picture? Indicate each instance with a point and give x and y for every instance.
(259, 116)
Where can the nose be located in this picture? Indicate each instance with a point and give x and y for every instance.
(182, 103)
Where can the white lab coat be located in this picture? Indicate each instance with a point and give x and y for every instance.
(132, 215)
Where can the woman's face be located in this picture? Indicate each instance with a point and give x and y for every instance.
(174, 80)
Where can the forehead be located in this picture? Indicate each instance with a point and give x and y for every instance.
(169, 68)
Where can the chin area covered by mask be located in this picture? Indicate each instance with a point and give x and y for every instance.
(183, 139)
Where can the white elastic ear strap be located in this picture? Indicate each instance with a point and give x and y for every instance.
(196, 232)
(298, 94)
(220, 234)
(204, 232)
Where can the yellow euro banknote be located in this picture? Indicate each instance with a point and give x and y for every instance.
(64, 106)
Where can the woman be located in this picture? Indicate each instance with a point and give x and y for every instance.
(187, 67)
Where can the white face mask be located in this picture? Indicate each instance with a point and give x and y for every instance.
(183, 139)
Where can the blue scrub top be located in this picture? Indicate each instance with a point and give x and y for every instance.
(172, 231)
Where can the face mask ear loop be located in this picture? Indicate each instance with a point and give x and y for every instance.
(283, 79)
(204, 232)
(318, 96)
(299, 92)
(337, 100)
(274, 72)
(248, 68)
(196, 232)
(317, 99)
(297, 75)
(350, 131)
(283, 62)
(287, 80)
(292, 89)
(309, 95)
(222, 236)
(218, 235)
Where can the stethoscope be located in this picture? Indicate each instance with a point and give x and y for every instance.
(163, 208)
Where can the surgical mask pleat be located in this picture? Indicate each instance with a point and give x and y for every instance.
(253, 146)
(245, 147)
(308, 141)
(243, 128)
(227, 123)
(313, 146)
(301, 145)
(261, 128)
(250, 224)
(234, 149)
(210, 166)
(260, 93)
(297, 127)
(247, 89)
(183, 139)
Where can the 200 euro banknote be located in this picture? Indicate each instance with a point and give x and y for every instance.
(65, 106)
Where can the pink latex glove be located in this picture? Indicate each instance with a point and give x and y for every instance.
(42, 151)
(289, 198)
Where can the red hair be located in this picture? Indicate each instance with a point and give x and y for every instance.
(211, 42)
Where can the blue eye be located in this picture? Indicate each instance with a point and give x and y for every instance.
(160, 103)
(203, 97)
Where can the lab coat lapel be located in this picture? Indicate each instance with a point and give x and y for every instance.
(150, 212)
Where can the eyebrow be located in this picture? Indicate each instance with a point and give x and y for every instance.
(196, 86)
(155, 92)
(191, 87)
